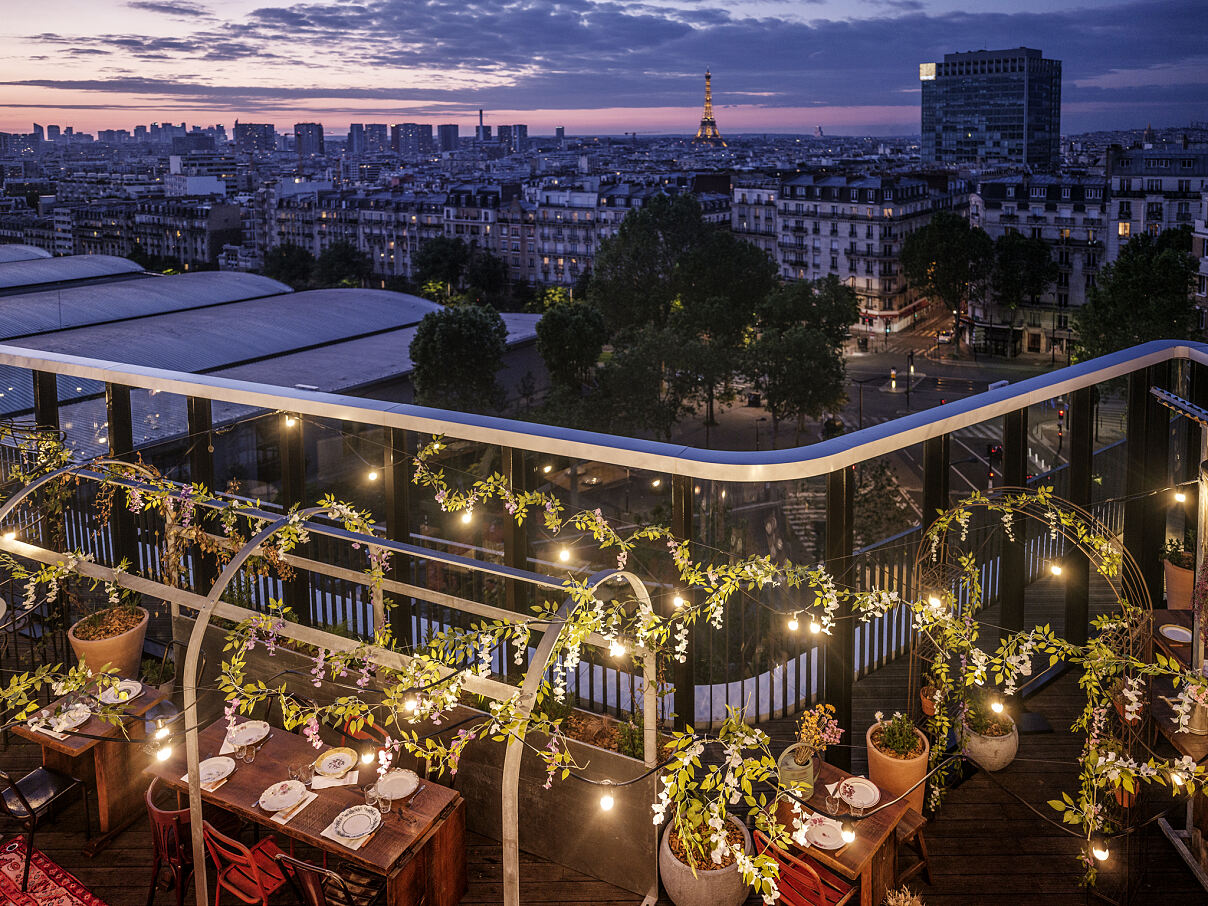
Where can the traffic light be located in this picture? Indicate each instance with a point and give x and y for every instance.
(886, 328)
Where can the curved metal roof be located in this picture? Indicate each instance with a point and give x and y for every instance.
(75, 306)
(39, 271)
(203, 339)
(16, 252)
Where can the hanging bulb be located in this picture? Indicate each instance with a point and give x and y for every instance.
(564, 554)
(290, 421)
(607, 802)
(656, 483)
(10, 536)
(1180, 497)
(815, 627)
(935, 602)
(1099, 847)
(368, 756)
(467, 516)
(1055, 569)
(411, 705)
(677, 602)
(545, 470)
(617, 648)
(161, 729)
(848, 832)
(164, 752)
(373, 475)
(793, 624)
(996, 706)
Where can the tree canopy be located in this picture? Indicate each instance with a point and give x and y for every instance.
(441, 259)
(948, 259)
(289, 263)
(1023, 269)
(1145, 294)
(341, 264)
(570, 338)
(456, 353)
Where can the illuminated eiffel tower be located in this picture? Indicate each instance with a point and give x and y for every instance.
(708, 134)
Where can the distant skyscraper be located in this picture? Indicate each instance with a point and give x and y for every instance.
(560, 133)
(448, 136)
(356, 139)
(249, 137)
(520, 137)
(482, 133)
(52, 133)
(992, 105)
(411, 138)
(377, 137)
(308, 139)
(39, 134)
(505, 137)
(708, 133)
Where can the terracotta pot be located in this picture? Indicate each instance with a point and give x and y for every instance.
(928, 702)
(897, 775)
(992, 753)
(1124, 797)
(124, 652)
(722, 887)
(1179, 583)
(801, 776)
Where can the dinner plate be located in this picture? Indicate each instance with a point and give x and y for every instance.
(824, 836)
(335, 762)
(357, 821)
(864, 793)
(71, 718)
(398, 784)
(214, 769)
(248, 733)
(1175, 632)
(281, 796)
(122, 692)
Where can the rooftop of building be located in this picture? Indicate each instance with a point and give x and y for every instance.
(68, 269)
(15, 252)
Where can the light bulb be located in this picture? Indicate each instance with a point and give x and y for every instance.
(10, 536)
(848, 832)
(163, 753)
(996, 707)
(373, 475)
(1099, 847)
(656, 483)
(367, 756)
(1176, 778)
(616, 648)
(935, 602)
(467, 516)
(1180, 497)
(411, 704)
(793, 624)
(677, 602)
(815, 627)
(564, 554)
(607, 802)
(1055, 569)
(161, 733)
(290, 421)
(545, 470)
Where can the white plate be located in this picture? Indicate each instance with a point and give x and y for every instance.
(214, 769)
(356, 822)
(864, 794)
(824, 836)
(124, 691)
(1175, 632)
(336, 763)
(248, 733)
(281, 796)
(71, 719)
(398, 784)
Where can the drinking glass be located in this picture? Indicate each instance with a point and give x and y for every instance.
(306, 773)
(832, 803)
(239, 752)
(372, 797)
(384, 803)
(249, 754)
(295, 771)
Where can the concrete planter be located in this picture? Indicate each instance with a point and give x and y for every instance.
(721, 887)
(992, 753)
(124, 652)
(897, 775)
(1179, 584)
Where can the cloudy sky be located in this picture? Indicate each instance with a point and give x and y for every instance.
(850, 66)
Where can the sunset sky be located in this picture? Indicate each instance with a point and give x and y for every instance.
(592, 65)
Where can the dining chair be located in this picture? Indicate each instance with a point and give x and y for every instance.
(803, 882)
(173, 848)
(251, 874)
(31, 798)
(319, 886)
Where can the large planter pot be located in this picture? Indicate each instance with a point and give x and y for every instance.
(123, 652)
(897, 775)
(801, 776)
(992, 753)
(927, 701)
(1179, 583)
(720, 887)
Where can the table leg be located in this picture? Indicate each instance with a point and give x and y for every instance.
(435, 871)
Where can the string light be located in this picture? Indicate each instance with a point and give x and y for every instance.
(656, 483)
(996, 706)
(617, 648)
(10, 536)
(815, 627)
(677, 602)
(368, 757)
(793, 624)
(1099, 847)
(1055, 569)
(467, 516)
(1180, 497)
(545, 470)
(411, 704)
(164, 752)
(373, 475)
(161, 729)
(935, 603)
(564, 554)
(607, 802)
(848, 832)
(290, 421)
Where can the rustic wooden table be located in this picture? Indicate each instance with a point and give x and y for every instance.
(420, 847)
(872, 857)
(114, 762)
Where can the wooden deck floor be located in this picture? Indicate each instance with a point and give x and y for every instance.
(986, 847)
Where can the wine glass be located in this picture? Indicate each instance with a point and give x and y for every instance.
(295, 771)
(306, 773)
(373, 798)
(832, 803)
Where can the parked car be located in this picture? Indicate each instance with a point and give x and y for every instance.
(944, 336)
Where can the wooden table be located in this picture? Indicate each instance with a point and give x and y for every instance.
(114, 764)
(871, 858)
(420, 847)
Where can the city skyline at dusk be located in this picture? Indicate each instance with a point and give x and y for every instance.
(606, 67)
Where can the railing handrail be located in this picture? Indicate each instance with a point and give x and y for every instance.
(808, 461)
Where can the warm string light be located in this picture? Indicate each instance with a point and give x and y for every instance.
(467, 516)
(1099, 847)
(848, 832)
(545, 470)
(815, 626)
(373, 475)
(607, 802)
(564, 554)
(794, 625)
(368, 756)
(677, 602)
(1055, 569)
(10, 536)
(1180, 497)
(290, 421)
(996, 706)
(411, 704)
(617, 648)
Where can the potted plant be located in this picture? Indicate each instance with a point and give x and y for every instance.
(928, 694)
(799, 764)
(897, 757)
(990, 738)
(902, 896)
(113, 636)
(159, 673)
(1178, 563)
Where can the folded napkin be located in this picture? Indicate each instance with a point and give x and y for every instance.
(330, 833)
(207, 787)
(43, 728)
(322, 783)
(283, 817)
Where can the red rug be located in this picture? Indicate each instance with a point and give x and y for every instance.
(49, 885)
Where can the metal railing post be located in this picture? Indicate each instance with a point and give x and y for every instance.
(841, 646)
(684, 674)
(936, 470)
(293, 492)
(397, 487)
(1147, 450)
(201, 471)
(120, 431)
(515, 540)
(1012, 580)
(1077, 567)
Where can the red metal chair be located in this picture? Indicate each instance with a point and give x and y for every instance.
(803, 882)
(316, 886)
(170, 834)
(253, 875)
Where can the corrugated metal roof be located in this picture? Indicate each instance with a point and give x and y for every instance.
(14, 252)
(75, 306)
(202, 340)
(40, 271)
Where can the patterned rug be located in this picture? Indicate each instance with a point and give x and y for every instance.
(49, 885)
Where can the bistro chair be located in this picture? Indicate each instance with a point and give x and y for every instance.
(803, 882)
(31, 798)
(318, 886)
(173, 848)
(253, 875)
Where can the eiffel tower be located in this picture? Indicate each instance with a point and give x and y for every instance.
(708, 134)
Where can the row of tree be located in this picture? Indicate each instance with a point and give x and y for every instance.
(340, 264)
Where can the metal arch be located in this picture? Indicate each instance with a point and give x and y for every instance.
(514, 751)
(189, 685)
(10, 504)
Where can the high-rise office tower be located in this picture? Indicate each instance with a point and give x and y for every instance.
(411, 138)
(356, 138)
(988, 105)
(447, 133)
(560, 133)
(248, 136)
(482, 133)
(377, 137)
(520, 137)
(505, 137)
(52, 133)
(308, 138)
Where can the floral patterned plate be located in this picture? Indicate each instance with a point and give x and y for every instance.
(336, 762)
(248, 733)
(281, 796)
(859, 792)
(214, 769)
(357, 821)
(824, 836)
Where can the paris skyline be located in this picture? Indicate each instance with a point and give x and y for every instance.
(604, 66)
